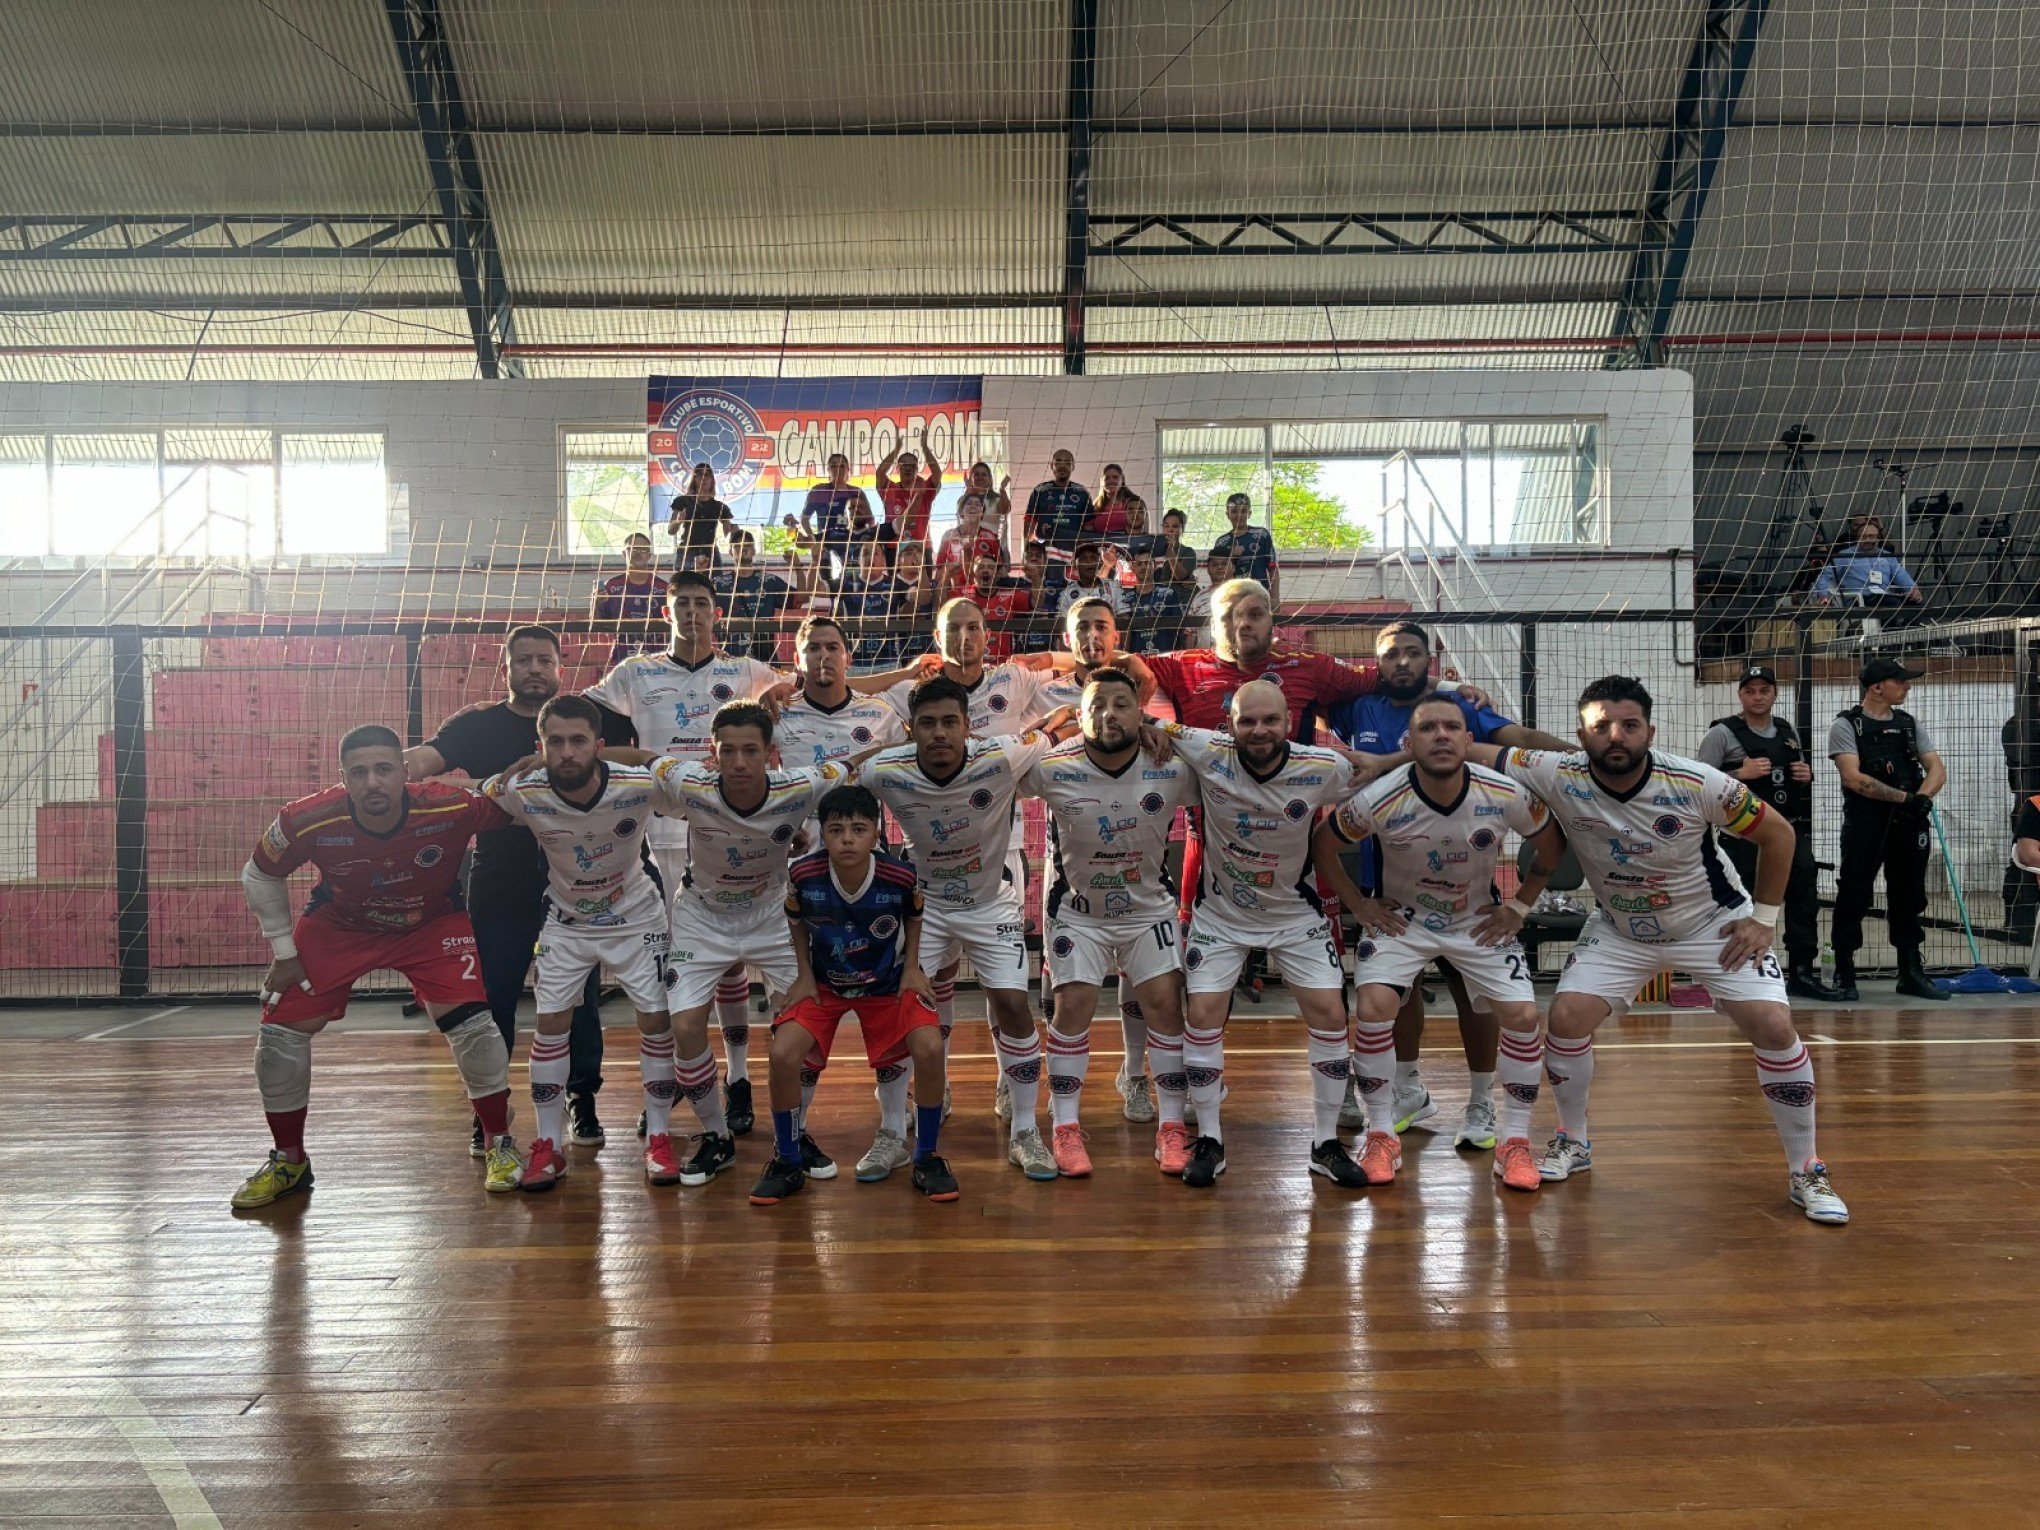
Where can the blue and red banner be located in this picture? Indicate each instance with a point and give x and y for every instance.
(769, 439)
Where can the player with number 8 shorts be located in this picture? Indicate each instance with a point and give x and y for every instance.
(1643, 826)
(1440, 823)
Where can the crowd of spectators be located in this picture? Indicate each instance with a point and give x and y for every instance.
(882, 573)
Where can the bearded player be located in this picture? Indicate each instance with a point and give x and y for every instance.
(388, 895)
(1643, 826)
(1439, 824)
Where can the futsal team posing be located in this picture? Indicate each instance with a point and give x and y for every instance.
(738, 770)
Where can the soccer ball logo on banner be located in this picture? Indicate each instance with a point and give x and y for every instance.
(718, 428)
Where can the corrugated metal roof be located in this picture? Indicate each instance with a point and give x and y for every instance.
(1406, 62)
(378, 172)
(1393, 325)
(1913, 59)
(739, 216)
(1806, 211)
(194, 64)
(1365, 278)
(768, 62)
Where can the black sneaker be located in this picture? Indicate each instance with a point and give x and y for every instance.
(933, 1179)
(1207, 1162)
(736, 1101)
(779, 1180)
(478, 1146)
(715, 1154)
(1331, 1159)
(583, 1129)
(816, 1163)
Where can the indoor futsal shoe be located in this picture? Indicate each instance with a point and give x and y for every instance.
(933, 1179)
(662, 1164)
(1812, 1194)
(506, 1171)
(1477, 1126)
(1172, 1147)
(584, 1127)
(1207, 1162)
(813, 1161)
(737, 1107)
(1413, 1106)
(544, 1167)
(1380, 1157)
(888, 1151)
(1072, 1158)
(1030, 1155)
(1136, 1096)
(1331, 1159)
(276, 1178)
(1565, 1156)
(478, 1145)
(779, 1180)
(1516, 1165)
(716, 1153)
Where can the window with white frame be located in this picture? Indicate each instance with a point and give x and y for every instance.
(605, 489)
(198, 492)
(1345, 486)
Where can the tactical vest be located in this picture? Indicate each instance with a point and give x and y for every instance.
(1887, 750)
(1792, 798)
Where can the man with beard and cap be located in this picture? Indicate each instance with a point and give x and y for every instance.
(1379, 723)
(1643, 826)
(506, 879)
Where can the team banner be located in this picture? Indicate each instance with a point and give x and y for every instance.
(770, 438)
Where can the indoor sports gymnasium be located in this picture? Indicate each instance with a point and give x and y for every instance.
(1019, 762)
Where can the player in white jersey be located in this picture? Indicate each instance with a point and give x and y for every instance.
(1260, 794)
(589, 818)
(1643, 826)
(1440, 823)
(828, 719)
(1091, 633)
(953, 798)
(1111, 908)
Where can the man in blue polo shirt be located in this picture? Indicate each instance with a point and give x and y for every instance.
(1378, 723)
(1060, 507)
(1251, 548)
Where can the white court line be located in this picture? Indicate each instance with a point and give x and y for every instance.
(159, 1458)
(115, 1030)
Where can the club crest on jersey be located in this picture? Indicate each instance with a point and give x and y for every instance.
(1296, 810)
(997, 702)
(722, 691)
(1668, 827)
(1194, 957)
(626, 827)
(884, 927)
(1063, 945)
(1151, 803)
(1482, 839)
(980, 799)
(431, 855)
(860, 734)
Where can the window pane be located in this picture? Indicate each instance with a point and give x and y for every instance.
(335, 496)
(220, 510)
(105, 496)
(607, 489)
(1202, 468)
(24, 497)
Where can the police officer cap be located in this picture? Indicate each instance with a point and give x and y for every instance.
(1757, 672)
(1888, 669)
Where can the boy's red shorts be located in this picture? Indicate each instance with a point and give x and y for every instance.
(438, 959)
(885, 1021)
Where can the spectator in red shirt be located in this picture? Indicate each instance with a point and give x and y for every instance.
(1005, 601)
(1108, 510)
(969, 540)
(908, 499)
(998, 502)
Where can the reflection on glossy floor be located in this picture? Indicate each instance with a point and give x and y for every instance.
(1666, 1338)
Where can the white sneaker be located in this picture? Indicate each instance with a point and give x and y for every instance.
(1351, 1117)
(1030, 1155)
(1002, 1099)
(1136, 1096)
(1565, 1156)
(1412, 1107)
(888, 1151)
(1477, 1126)
(1812, 1194)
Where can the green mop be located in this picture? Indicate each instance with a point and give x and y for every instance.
(1979, 978)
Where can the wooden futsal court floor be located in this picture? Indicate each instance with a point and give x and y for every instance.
(1665, 1339)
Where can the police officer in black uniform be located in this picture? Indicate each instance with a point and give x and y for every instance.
(1890, 773)
(1762, 749)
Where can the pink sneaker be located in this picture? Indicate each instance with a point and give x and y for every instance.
(1172, 1147)
(1071, 1160)
(545, 1167)
(1516, 1166)
(661, 1166)
(1381, 1157)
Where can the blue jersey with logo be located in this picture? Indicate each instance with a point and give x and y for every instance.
(856, 945)
(1373, 724)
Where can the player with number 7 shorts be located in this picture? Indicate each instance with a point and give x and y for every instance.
(1643, 826)
(1440, 823)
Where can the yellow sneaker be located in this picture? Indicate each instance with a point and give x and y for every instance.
(275, 1179)
(506, 1171)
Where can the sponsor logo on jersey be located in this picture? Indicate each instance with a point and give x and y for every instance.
(1482, 839)
(1667, 799)
(597, 905)
(539, 810)
(1118, 905)
(1579, 790)
(1438, 860)
(585, 858)
(1250, 878)
(1669, 827)
(1621, 851)
(1068, 776)
(1158, 775)
(1110, 829)
(1484, 811)
(1639, 903)
(1442, 905)
(276, 840)
(1400, 820)
(1646, 928)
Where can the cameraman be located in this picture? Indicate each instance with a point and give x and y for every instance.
(1762, 749)
(1890, 775)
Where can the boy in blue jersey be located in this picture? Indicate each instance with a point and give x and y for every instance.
(1379, 723)
(855, 919)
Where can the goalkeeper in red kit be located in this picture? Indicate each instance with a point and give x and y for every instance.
(389, 858)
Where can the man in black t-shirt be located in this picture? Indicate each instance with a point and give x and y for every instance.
(751, 602)
(506, 881)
